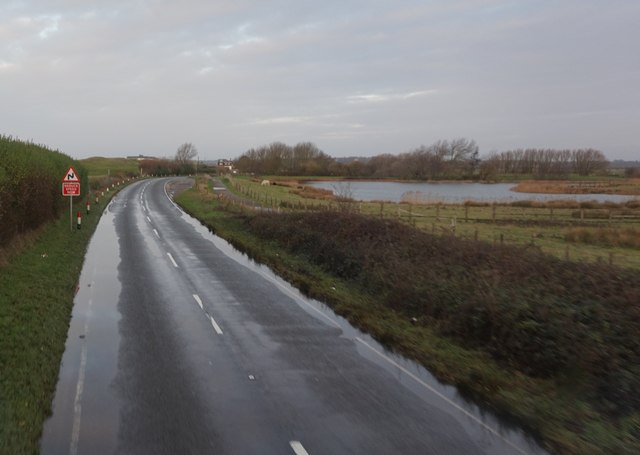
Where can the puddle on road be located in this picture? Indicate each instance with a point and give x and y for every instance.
(494, 435)
(85, 407)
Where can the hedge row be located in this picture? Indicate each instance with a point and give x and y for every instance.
(30, 186)
(533, 313)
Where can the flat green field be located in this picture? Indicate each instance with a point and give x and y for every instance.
(579, 232)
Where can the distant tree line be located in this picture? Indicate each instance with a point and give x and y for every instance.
(304, 158)
(444, 159)
(159, 167)
(544, 162)
(182, 163)
(455, 159)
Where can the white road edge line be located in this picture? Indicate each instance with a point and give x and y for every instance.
(297, 448)
(216, 327)
(156, 233)
(171, 200)
(173, 261)
(149, 219)
(449, 401)
(196, 297)
(77, 402)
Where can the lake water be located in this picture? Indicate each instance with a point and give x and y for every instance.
(448, 192)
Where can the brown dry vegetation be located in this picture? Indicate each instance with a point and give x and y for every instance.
(624, 238)
(621, 186)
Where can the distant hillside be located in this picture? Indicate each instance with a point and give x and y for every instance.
(98, 166)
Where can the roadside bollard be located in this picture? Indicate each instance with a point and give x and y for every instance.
(88, 207)
(79, 220)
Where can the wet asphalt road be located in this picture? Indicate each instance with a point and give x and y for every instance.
(177, 347)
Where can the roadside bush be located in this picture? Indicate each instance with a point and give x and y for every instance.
(30, 186)
(533, 313)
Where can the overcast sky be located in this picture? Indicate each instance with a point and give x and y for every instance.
(356, 77)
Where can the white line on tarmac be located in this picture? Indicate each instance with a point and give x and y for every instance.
(149, 219)
(216, 327)
(197, 299)
(77, 402)
(297, 448)
(156, 233)
(173, 261)
(431, 389)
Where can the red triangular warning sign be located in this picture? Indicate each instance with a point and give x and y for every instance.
(70, 176)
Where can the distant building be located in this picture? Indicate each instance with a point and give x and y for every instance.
(141, 158)
(227, 164)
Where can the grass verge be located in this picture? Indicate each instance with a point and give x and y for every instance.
(37, 289)
(559, 408)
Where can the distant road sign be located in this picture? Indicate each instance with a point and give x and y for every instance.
(70, 183)
(71, 176)
(71, 188)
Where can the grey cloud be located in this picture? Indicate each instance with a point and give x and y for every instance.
(356, 77)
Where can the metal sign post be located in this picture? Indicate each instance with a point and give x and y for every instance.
(71, 187)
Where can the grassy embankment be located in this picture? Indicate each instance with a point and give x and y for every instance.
(549, 342)
(37, 287)
(36, 298)
(99, 166)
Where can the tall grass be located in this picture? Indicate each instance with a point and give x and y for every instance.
(30, 186)
(610, 237)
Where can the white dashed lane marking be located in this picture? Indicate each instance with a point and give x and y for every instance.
(298, 448)
(173, 261)
(215, 325)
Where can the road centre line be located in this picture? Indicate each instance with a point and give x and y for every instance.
(149, 219)
(216, 327)
(173, 261)
(196, 297)
(449, 401)
(156, 233)
(298, 448)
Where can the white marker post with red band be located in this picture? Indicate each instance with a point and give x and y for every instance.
(71, 187)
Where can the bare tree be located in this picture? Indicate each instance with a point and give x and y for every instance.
(343, 194)
(185, 153)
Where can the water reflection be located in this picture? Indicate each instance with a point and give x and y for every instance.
(451, 192)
